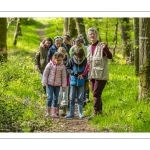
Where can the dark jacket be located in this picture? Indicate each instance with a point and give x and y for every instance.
(67, 47)
(76, 68)
(41, 57)
(51, 52)
(65, 60)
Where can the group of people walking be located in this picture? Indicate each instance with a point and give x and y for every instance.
(67, 69)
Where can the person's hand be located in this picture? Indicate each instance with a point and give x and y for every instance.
(63, 89)
(80, 77)
(103, 44)
(76, 73)
(37, 68)
(44, 84)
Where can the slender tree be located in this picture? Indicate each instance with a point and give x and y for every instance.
(66, 26)
(81, 28)
(144, 58)
(3, 39)
(125, 35)
(72, 31)
(115, 37)
(17, 31)
(106, 33)
(136, 45)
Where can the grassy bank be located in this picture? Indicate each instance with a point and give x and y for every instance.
(122, 112)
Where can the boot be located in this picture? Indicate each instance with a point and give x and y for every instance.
(71, 114)
(54, 115)
(80, 107)
(95, 114)
(64, 110)
(48, 111)
(57, 110)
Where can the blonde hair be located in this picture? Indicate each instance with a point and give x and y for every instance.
(62, 50)
(57, 55)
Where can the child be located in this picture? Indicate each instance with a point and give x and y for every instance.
(58, 40)
(54, 76)
(75, 67)
(41, 56)
(78, 44)
(66, 42)
(63, 96)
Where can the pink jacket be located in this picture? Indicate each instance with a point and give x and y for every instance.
(54, 75)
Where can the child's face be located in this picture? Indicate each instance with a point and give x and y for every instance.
(78, 58)
(47, 44)
(58, 43)
(59, 60)
(64, 54)
(78, 44)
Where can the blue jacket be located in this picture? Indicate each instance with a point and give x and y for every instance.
(51, 52)
(76, 68)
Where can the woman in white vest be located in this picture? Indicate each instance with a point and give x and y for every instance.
(97, 64)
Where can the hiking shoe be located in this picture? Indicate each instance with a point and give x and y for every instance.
(95, 114)
(91, 117)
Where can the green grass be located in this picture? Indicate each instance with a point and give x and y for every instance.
(21, 103)
(122, 112)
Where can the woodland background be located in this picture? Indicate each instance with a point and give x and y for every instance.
(125, 98)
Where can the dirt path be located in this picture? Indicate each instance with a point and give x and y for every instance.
(40, 32)
(75, 124)
(62, 124)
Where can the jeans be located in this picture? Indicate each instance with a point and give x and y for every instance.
(79, 91)
(53, 92)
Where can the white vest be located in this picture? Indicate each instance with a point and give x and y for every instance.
(98, 65)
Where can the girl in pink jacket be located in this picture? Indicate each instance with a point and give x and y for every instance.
(54, 76)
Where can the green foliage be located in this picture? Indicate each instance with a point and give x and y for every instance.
(22, 105)
(122, 112)
(54, 27)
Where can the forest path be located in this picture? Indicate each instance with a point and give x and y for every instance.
(62, 124)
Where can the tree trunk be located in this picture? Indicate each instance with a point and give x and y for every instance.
(136, 45)
(106, 31)
(144, 58)
(3, 39)
(81, 28)
(65, 26)
(17, 32)
(115, 39)
(72, 28)
(125, 35)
